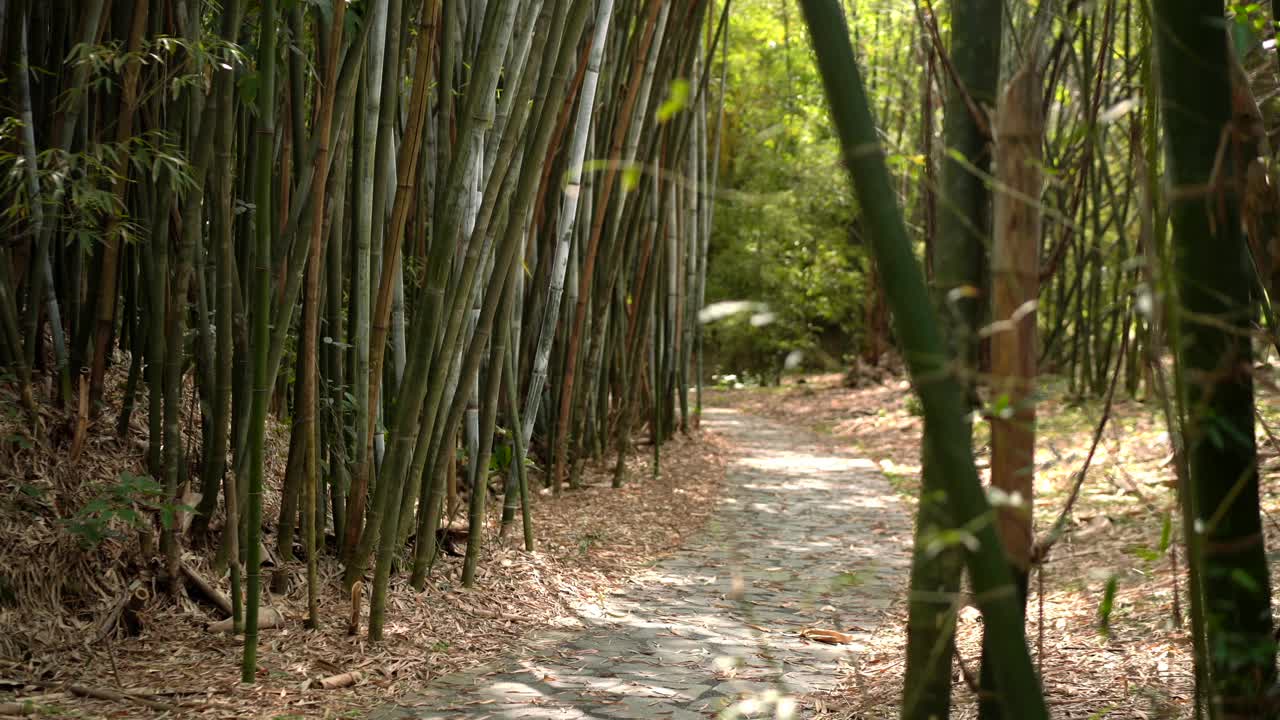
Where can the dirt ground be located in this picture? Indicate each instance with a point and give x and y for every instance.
(56, 646)
(88, 631)
(1124, 526)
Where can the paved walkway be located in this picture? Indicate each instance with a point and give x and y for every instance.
(802, 539)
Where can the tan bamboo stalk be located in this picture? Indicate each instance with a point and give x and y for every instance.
(1015, 271)
(106, 303)
(309, 391)
(407, 177)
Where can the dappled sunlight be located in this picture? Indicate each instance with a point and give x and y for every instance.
(797, 462)
(803, 541)
(1115, 531)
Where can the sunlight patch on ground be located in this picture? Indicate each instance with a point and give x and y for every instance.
(796, 462)
(889, 466)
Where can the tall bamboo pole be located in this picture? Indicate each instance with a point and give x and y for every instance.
(917, 329)
(263, 236)
(1215, 359)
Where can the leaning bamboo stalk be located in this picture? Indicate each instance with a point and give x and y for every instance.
(479, 487)
(917, 329)
(560, 59)
(420, 357)
(568, 215)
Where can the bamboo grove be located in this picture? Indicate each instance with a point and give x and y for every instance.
(434, 237)
(1097, 201)
(444, 242)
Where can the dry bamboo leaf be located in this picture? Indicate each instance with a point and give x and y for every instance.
(830, 637)
(637, 525)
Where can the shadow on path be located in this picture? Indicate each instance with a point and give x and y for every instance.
(804, 537)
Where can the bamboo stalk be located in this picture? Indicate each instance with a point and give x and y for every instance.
(917, 330)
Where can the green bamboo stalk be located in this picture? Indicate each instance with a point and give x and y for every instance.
(407, 167)
(1213, 323)
(310, 390)
(557, 86)
(435, 369)
(489, 413)
(263, 225)
(958, 263)
(44, 276)
(923, 349)
(106, 300)
(517, 441)
(224, 268)
(361, 279)
(335, 371)
(1164, 292)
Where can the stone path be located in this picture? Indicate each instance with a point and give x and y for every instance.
(803, 538)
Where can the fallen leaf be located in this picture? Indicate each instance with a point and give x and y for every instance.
(830, 637)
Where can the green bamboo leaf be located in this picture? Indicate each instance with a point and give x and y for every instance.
(631, 178)
(1107, 605)
(677, 98)
(1244, 579)
(249, 87)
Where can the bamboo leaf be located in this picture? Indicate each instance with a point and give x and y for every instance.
(1106, 606)
(677, 98)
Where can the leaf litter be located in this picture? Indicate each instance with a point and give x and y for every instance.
(90, 631)
(1124, 532)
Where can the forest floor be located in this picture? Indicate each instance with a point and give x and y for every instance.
(87, 631)
(790, 521)
(1134, 664)
(775, 601)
